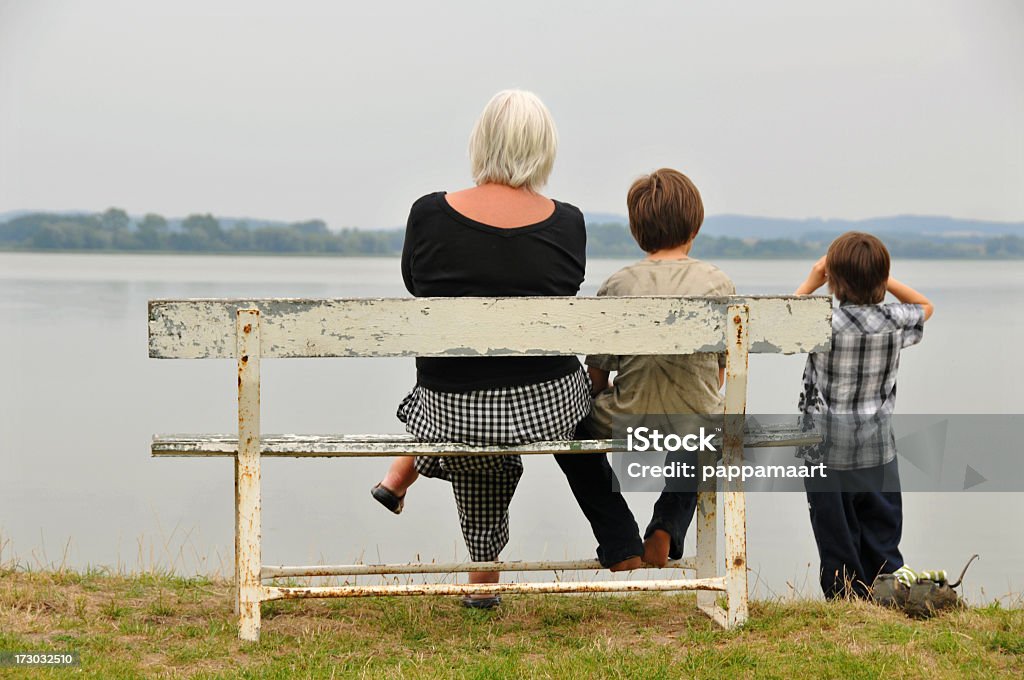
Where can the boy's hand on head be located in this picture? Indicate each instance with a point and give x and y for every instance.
(815, 280)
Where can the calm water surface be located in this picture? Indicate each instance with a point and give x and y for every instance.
(79, 401)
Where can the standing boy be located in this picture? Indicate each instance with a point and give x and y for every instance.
(857, 511)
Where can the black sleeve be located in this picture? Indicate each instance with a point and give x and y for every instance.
(583, 252)
(408, 246)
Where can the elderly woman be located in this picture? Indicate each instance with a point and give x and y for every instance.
(499, 238)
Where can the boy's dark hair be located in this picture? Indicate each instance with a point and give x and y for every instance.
(665, 210)
(857, 265)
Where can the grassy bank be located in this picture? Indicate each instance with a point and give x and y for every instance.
(164, 626)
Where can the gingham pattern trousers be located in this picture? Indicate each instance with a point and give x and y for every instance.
(484, 485)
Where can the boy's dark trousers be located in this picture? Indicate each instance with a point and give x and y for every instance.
(618, 537)
(857, 518)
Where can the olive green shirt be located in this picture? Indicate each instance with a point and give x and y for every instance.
(668, 383)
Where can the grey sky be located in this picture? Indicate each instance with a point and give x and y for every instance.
(348, 111)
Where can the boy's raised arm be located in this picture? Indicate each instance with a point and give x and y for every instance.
(908, 295)
(815, 280)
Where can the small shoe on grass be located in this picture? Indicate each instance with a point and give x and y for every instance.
(893, 590)
(921, 595)
(928, 598)
(888, 590)
(932, 593)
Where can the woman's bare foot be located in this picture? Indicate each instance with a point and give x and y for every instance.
(400, 476)
(628, 564)
(484, 577)
(390, 491)
(656, 548)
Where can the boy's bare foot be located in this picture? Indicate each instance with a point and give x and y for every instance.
(628, 564)
(656, 548)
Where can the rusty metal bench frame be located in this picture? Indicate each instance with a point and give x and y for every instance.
(249, 331)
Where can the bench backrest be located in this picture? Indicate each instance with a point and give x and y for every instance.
(464, 327)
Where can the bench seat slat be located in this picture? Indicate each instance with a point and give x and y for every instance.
(370, 445)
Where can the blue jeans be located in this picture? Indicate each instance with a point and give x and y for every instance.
(858, 529)
(618, 537)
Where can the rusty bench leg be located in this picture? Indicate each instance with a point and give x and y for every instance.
(735, 556)
(734, 505)
(248, 590)
(707, 540)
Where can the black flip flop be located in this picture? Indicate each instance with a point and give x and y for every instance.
(388, 499)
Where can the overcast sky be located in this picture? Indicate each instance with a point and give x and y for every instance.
(349, 111)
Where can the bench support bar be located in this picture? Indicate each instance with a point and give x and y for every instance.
(290, 593)
(269, 572)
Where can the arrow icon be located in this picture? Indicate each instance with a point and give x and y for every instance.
(972, 478)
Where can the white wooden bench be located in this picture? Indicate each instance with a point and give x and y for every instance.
(249, 331)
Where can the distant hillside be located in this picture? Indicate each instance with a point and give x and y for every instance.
(723, 236)
(928, 226)
(604, 218)
(12, 214)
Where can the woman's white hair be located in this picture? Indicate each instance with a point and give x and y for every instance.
(514, 141)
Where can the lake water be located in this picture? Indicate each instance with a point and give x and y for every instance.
(79, 401)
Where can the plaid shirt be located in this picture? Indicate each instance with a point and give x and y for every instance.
(850, 391)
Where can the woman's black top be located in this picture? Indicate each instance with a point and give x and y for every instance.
(446, 254)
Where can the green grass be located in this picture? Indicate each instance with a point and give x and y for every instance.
(165, 626)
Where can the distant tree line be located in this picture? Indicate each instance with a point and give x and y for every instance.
(115, 230)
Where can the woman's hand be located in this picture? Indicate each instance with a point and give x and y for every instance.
(815, 280)
(599, 380)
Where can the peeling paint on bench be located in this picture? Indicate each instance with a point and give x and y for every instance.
(377, 445)
(469, 327)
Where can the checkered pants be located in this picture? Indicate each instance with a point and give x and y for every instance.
(484, 485)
